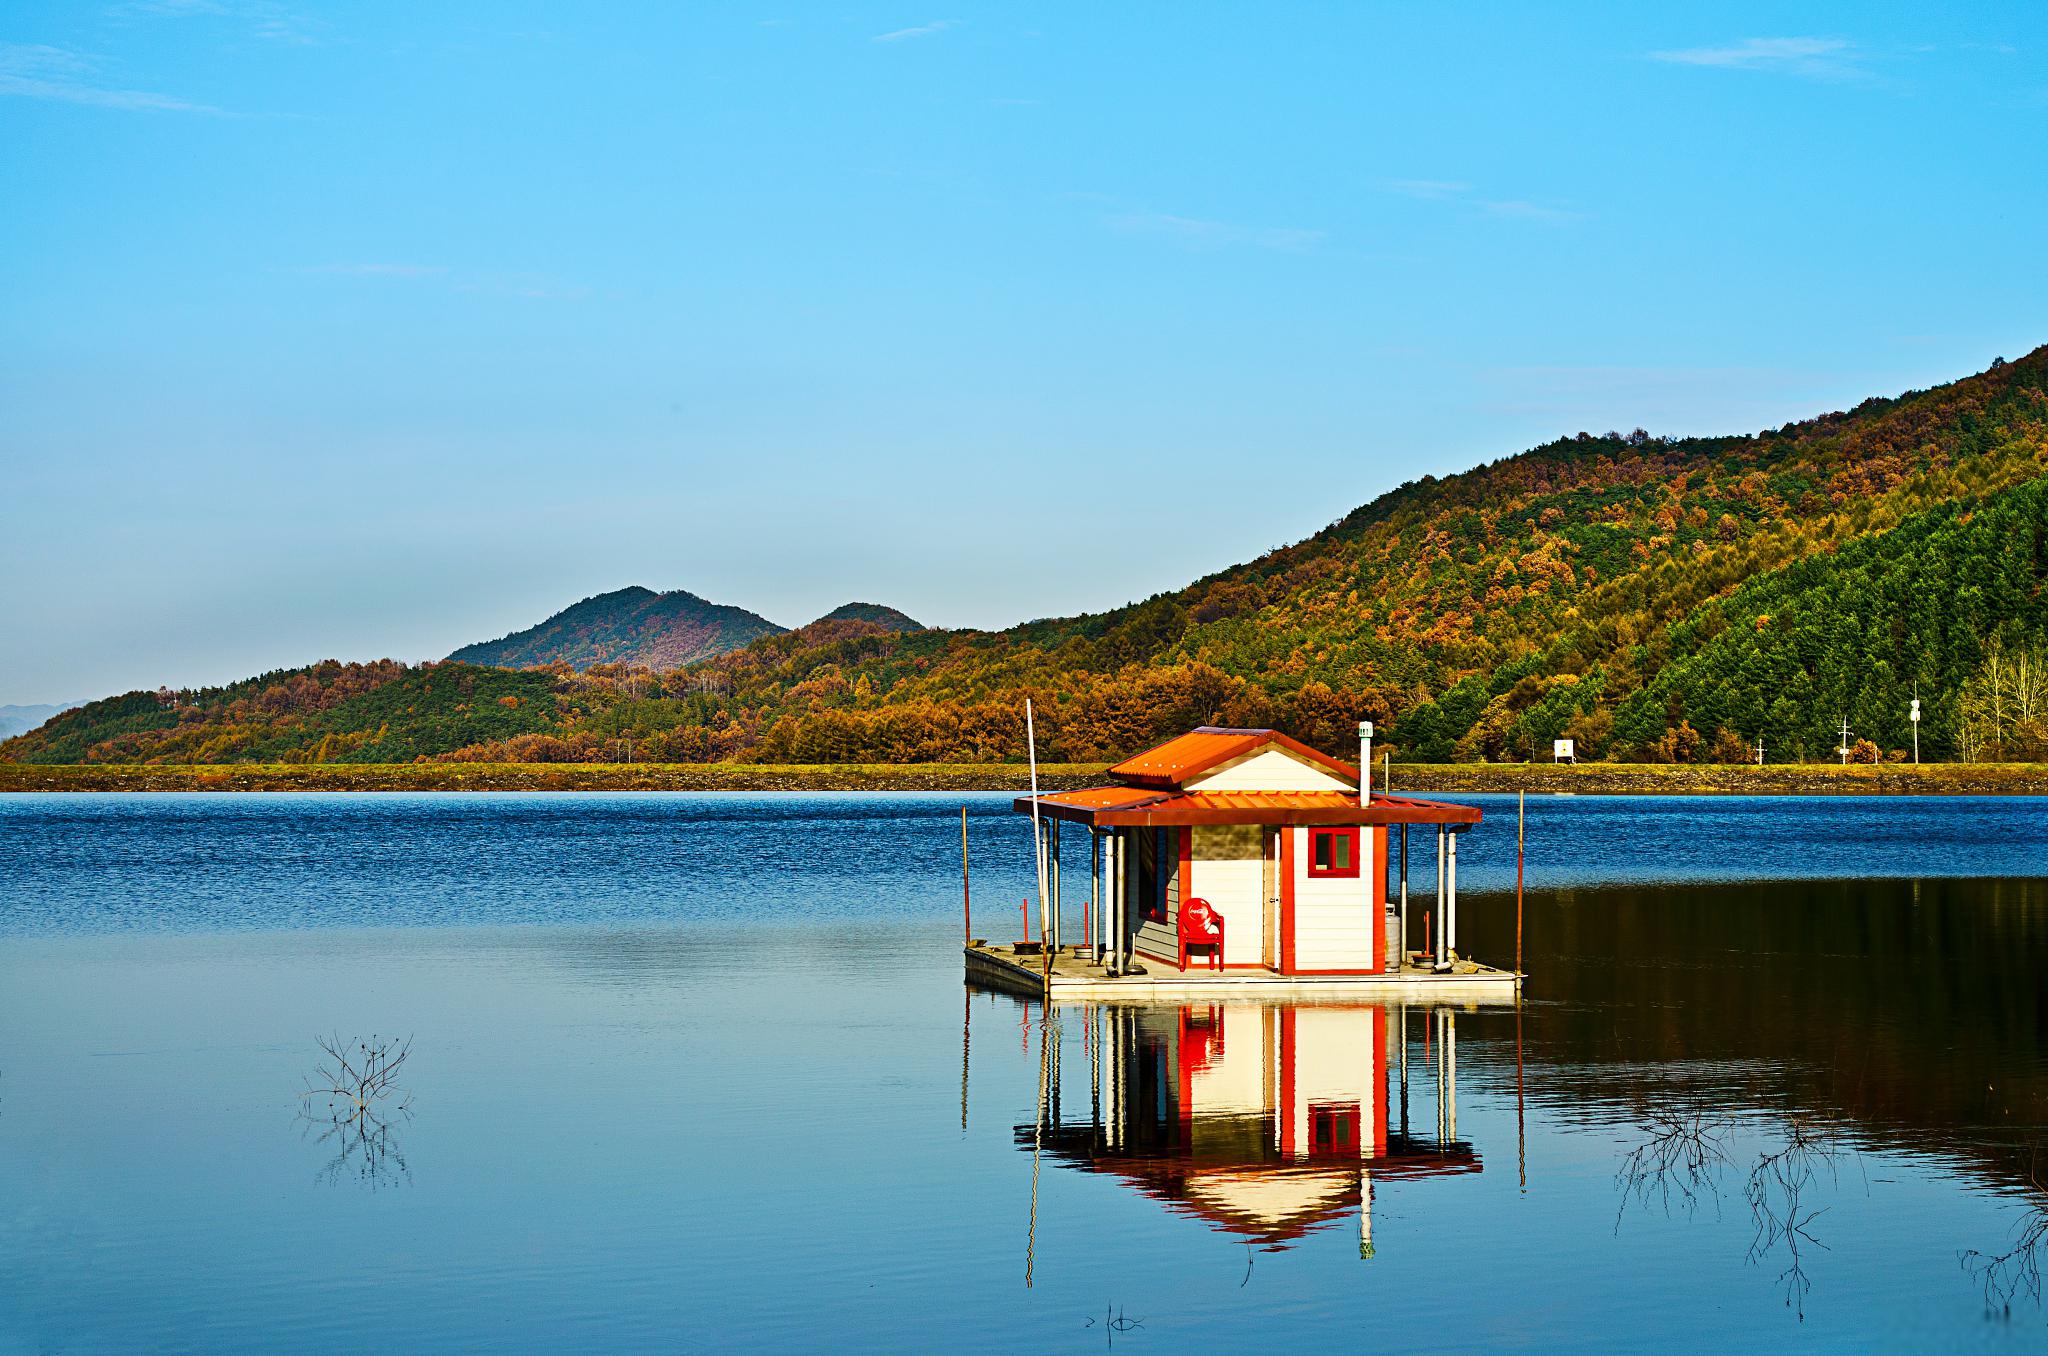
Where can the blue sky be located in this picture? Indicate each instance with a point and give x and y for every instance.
(377, 329)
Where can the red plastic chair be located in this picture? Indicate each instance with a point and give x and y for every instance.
(1201, 926)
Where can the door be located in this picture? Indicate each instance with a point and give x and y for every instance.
(1269, 877)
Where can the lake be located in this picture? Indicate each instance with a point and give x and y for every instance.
(699, 1072)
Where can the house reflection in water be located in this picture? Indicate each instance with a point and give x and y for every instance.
(1266, 1121)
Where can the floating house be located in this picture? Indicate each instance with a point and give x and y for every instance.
(1242, 859)
(1267, 1121)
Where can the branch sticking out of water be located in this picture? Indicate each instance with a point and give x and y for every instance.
(352, 1097)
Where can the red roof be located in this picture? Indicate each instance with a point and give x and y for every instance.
(1172, 764)
(1114, 806)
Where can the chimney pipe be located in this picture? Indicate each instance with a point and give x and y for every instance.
(1364, 762)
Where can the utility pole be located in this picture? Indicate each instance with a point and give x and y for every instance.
(1844, 750)
(1916, 729)
(1759, 750)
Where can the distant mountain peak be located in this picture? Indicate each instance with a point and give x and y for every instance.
(876, 613)
(631, 625)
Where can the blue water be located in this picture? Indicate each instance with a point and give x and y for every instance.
(225, 861)
(698, 1072)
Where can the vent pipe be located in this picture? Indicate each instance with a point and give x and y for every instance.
(1364, 762)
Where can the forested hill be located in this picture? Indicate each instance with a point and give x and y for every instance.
(629, 626)
(1652, 598)
(887, 617)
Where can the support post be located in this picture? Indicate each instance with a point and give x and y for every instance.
(1402, 1017)
(1451, 900)
(1443, 961)
(966, 898)
(1451, 1072)
(1059, 899)
(1095, 933)
(1404, 898)
(1113, 905)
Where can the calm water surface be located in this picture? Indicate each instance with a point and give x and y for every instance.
(699, 1072)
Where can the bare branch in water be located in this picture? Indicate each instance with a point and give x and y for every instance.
(352, 1098)
(1677, 1166)
(1775, 1192)
(2016, 1272)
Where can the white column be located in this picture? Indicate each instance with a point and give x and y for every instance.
(1441, 922)
(1095, 890)
(1364, 1210)
(1052, 852)
(1451, 1072)
(1404, 900)
(1451, 908)
(1117, 902)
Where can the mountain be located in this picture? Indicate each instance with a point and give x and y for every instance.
(629, 626)
(886, 617)
(1650, 598)
(16, 720)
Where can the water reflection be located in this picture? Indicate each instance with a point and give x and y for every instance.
(2015, 1274)
(1264, 1121)
(350, 1104)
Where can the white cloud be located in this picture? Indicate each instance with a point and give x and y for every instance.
(34, 71)
(920, 31)
(1812, 58)
(1196, 234)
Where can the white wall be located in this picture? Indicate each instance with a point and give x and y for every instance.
(1336, 1054)
(1336, 922)
(1228, 870)
(1241, 1082)
(1270, 769)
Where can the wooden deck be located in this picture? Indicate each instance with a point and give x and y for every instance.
(1074, 976)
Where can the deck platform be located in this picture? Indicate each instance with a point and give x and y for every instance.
(1074, 976)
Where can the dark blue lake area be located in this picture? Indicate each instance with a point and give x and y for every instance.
(699, 1072)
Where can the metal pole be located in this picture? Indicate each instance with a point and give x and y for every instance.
(1403, 1010)
(1521, 822)
(1451, 900)
(1365, 762)
(1117, 900)
(1451, 1072)
(1441, 959)
(1037, 835)
(1059, 896)
(1095, 890)
(1436, 1021)
(1404, 896)
(966, 899)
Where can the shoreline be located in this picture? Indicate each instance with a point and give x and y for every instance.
(1802, 779)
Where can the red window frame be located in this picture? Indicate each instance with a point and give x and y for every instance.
(1317, 838)
(1333, 1129)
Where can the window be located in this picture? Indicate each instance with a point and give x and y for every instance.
(1333, 1131)
(1332, 852)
